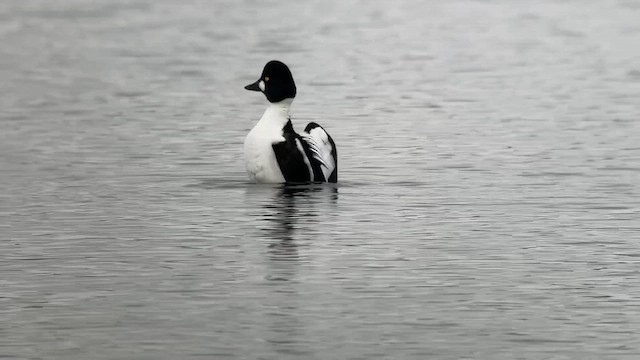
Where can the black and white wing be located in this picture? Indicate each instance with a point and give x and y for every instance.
(324, 156)
(292, 157)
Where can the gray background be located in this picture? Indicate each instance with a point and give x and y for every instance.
(488, 205)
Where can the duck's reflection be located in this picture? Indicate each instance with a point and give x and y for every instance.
(293, 210)
(282, 217)
(292, 216)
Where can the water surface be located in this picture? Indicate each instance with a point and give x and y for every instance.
(488, 204)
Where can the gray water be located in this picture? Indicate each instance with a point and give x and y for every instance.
(488, 204)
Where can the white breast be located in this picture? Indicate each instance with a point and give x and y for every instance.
(260, 160)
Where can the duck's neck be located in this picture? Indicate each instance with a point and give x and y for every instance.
(277, 114)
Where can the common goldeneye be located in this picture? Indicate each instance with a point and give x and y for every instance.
(274, 152)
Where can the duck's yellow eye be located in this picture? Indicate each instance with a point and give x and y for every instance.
(266, 78)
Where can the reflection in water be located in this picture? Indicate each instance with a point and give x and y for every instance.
(290, 204)
(291, 207)
(282, 218)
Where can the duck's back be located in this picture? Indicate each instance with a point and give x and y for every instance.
(277, 156)
(322, 153)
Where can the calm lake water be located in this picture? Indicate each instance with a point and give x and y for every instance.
(488, 204)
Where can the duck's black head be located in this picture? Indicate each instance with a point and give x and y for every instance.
(276, 82)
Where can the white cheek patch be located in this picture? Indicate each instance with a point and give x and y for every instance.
(261, 85)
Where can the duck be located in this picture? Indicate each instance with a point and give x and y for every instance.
(274, 152)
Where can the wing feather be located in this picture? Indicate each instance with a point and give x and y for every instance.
(323, 150)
